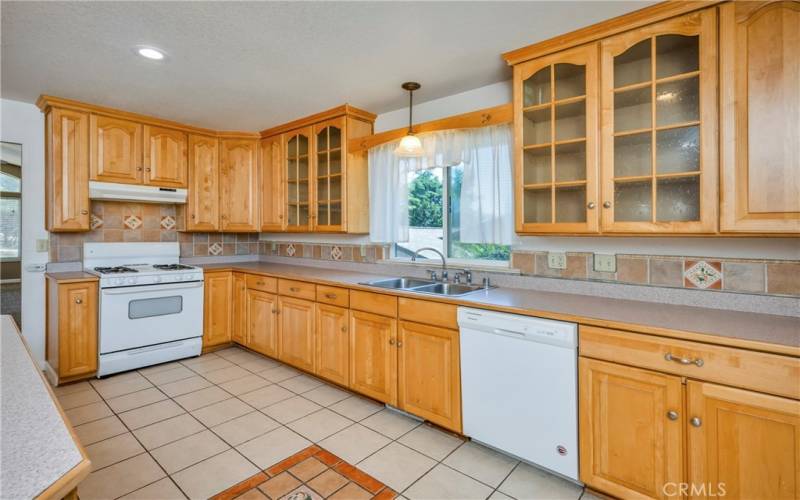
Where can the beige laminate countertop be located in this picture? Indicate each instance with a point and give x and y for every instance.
(766, 332)
(72, 276)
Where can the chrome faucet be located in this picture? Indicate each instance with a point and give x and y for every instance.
(433, 273)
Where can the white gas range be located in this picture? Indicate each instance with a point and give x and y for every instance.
(151, 307)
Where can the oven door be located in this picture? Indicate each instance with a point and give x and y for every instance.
(139, 316)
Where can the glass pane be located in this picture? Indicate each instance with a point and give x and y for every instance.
(632, 109)
(678, 150)
(302, 192)
(302, 168)
(322, 140)
(160, 306)
(678, 101)
(633, 155)
(322, 214)
(336, 214)
(292, 215)
(322, 189)
(292, 193)
(570, 80)
(291, 148)
(536, 127)
(571, 121)
(536, 165)
(536, 89)
(302, 145)
(633, 201)
(303, 215)
(571, 204)
(335, 137)
(633, 65)
(676, 54)
(536, 205)
(570, 162)
(9, 183)
(336, 188)
(291, 169)
(678, 199)
(322, 164)
(10, 223)
(335, 162)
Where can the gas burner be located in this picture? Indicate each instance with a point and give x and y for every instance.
(171, 267)
(115, 270)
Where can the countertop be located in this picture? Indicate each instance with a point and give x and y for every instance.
(40, 456)
(766, 332)
(72, 276)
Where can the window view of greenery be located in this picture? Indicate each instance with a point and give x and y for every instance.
(430, 226)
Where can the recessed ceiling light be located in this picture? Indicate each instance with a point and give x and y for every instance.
(150, 53)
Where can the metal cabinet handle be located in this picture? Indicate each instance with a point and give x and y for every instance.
(147, 169)
(391, 341)
(344, 329)
(259, 283)
(78, 300)
(274, 311)
(607, 204)
(294, 289)
(672, 415)
(590, 205)
(684, 361)
(138, 169)
(330, 296)
(84, 212)
(399, 343)
(696, 422)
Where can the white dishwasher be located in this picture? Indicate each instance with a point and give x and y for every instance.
(519, 386)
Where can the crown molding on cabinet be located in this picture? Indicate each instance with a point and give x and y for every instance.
(344, 109)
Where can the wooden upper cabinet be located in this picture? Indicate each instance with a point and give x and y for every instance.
(262, 322)
(373, 356)
(165, 159)
(745, 441)
(555, 129)
(760, 116)
(202, 202)
(67, 171)
(333, 344)
(296, 345)
(329, 175)
(217, 308)
(631, 430)
(239, 185)
(273, 210)
(429, 373)
(659, 165)
(299, 170)
(116, 150)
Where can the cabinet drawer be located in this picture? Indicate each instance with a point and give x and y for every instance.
(763, 372)
(385, 305)
(428, 312)
(299, 289)
(263, 283)
(333, 295)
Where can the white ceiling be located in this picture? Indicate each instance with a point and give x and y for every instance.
(251, 65)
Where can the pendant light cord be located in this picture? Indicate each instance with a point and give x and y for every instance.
(410, 108)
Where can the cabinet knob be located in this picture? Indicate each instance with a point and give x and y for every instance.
(84, 212)
(147, 169)
(78, 300)
(294, 289)
(192, 216)
(330, 296)
(696, 422)
(344, 328)
(274, 311)
(139, 169)
(399, 343)
(391, 341)
(672, 415)
(606, 204)
(280, 216)
(590, 205)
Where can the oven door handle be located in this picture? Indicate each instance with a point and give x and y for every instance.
(131, 290)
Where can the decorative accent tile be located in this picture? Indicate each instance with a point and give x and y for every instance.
(336, 253)
(215, 248)
(96, 222)
(168, 222)
(702, 274)
(290, 251)
(132, 221)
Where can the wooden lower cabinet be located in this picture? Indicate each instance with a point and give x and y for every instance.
(373, 356)
(217, 308)
(72, 329)
(262, 322)
(429, 373)
(239, 309)
(742, 444)
(333, 344)
(631, 447)
(296, 344)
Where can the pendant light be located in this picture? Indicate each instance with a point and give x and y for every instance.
(410, 146)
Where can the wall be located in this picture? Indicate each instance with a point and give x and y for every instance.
(23, 123)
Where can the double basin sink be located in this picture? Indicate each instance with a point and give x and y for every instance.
(424, 286)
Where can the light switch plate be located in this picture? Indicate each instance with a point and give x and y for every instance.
(42, 245)
(605, 263)
(556, 260)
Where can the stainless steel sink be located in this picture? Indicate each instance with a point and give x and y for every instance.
(448, 289)
(399, 283)
(424, 286)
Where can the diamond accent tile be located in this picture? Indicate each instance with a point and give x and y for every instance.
(133, 222)
(336, 253)
(96, 222)
(702, 274)
(290, 250)
(215, 249)
(168, 222)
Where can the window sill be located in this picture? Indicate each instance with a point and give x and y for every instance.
(498, 267)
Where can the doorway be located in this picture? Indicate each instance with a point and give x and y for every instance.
(11, 230)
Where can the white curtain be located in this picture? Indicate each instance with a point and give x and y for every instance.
(486, 193)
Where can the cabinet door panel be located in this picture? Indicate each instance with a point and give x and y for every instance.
(298, 163)
(760, 122)
(239, 306)
(116, 150)
(296, 346)
(630, 447)
(262, 322)
(77, 329)
(333, 344)
(745, 442)
(373, 356)
(272, 184)
(239, 186)
(330, 181)
(217, 309)
(202, 203)
(165, 159)
(67, 177)
(429, 373)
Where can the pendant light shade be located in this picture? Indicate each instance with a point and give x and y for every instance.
(410, 146)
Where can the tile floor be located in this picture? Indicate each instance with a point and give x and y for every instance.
(198, 427)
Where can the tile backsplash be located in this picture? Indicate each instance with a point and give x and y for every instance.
(325, 251)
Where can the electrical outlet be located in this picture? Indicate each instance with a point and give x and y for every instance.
(605, 263)
(42, 245)
(556, 260)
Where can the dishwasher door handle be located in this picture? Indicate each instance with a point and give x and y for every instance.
(511, 333)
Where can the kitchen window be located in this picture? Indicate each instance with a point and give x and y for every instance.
(10, 221)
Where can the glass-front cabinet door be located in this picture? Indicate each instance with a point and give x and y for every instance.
(299, 173)
(659, 125)
(329, 185)
(555, 106)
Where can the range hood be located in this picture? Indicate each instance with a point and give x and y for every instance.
(111, 191)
